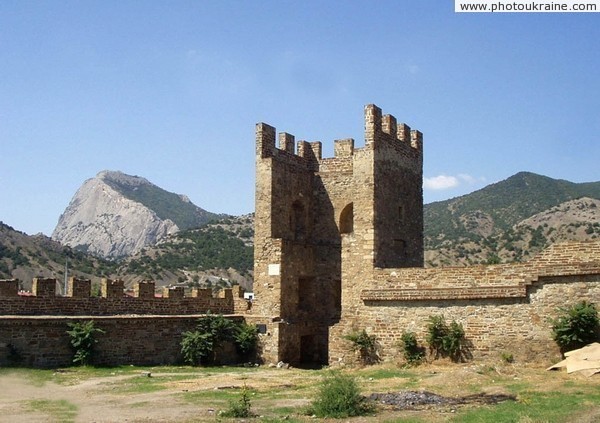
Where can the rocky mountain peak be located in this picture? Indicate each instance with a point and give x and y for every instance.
(114, 215)
(118, 177)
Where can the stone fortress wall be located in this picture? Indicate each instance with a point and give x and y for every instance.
(338, 248)
(142, 329)
(503, 308)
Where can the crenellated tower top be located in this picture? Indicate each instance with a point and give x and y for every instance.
(380, 130)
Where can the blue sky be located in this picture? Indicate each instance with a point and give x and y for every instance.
(171, 91)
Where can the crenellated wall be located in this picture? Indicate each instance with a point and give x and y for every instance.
(143, 329)
(114, 301)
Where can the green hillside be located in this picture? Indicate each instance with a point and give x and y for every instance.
(25, 257)
(193, 250)
(506, 203)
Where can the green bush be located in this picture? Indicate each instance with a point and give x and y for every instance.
(577, 326)
(339, 397)
(413, 354)
(444, 340)
(199, 347)
(83, 340)
(196, 347)
(240, 408)
(437, 330)
(246, 339)
(366, 345)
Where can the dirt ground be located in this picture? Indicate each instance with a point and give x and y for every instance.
(102, 398)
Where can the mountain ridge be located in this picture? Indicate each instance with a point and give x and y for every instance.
(484, 227)
(498, 201)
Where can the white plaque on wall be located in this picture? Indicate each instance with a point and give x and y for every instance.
(274, 269)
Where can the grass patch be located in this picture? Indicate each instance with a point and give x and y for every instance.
(518, 387)
(220, 395)
(57, 410)
(36, 377)
(284, 411)
(387, 373)
(535, 406)
(141, 384)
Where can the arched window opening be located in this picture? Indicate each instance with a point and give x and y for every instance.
(347, 219)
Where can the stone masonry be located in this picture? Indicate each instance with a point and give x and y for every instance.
(339, 248)
(142, 329)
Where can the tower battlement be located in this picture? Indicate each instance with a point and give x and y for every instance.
(307, 153)
(385, 128)
(380, 130)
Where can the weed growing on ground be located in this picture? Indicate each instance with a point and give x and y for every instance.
(241, 408)
(507, 357)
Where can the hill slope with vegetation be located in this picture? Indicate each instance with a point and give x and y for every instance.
(219, 254)
(24, 257)
(491, 225)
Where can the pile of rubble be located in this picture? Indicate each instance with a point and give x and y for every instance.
(413, 400)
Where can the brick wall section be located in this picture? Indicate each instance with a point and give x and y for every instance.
(144, 289)
(142, 340)
(174, 293)
(44, 287)
(520, 326)
(503, 308)
(112, 288)
(565, 259)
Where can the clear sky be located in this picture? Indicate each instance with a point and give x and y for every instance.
(171, 91)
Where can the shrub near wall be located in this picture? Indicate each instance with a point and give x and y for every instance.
(576, 326)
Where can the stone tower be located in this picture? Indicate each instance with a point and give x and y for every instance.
(321, 223)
